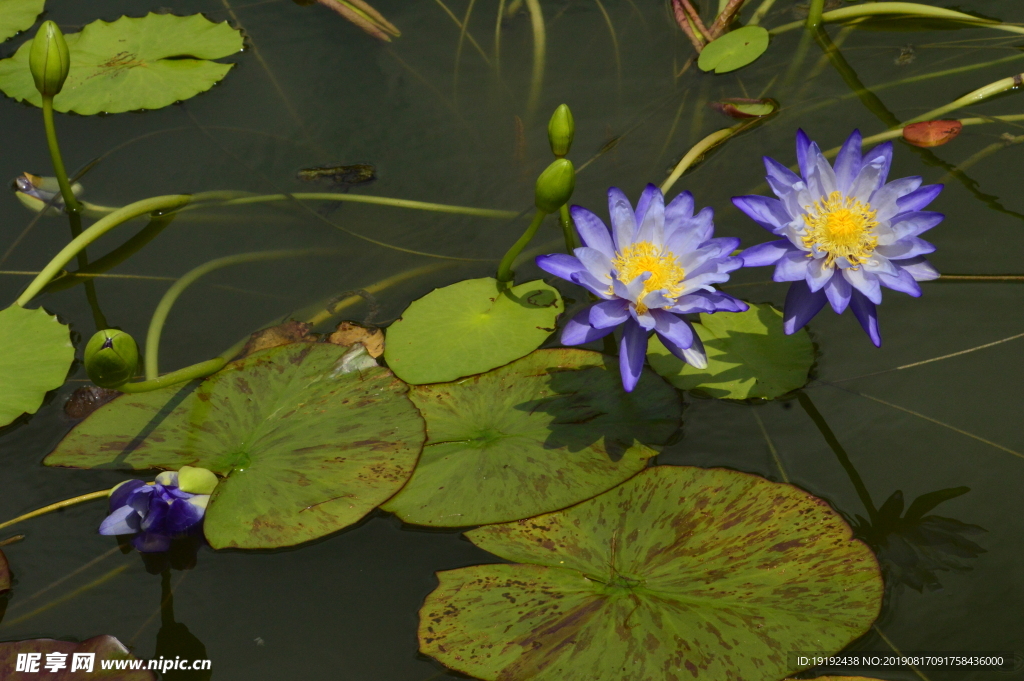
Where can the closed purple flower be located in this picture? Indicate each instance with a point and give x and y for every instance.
(846, 232)
(155, 513)
(658, 262)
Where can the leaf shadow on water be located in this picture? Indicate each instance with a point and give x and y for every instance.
(589, 408)
(174, 639)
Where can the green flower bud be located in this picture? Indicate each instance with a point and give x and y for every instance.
(49, 59)
(111, 357)
(561, 128)
(555, 185)
(195, 480)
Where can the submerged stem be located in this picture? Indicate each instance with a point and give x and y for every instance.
(568, 229)
(899, 8)
(505, 268)
(539, 50)
(982, 93)
(698, 150)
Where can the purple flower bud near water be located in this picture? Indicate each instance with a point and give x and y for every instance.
(155, 514)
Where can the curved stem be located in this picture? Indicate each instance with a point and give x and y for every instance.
(56, 507)
(814, 14)
(698, 150)
(982, 93)
(567, 228)
(58, 162)
(505, 268)
(902, 8)
(101, 227)
(539, 50)
(189, 373)
(163, 308)
(377, 200)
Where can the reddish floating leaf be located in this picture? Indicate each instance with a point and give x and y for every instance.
(932, 133)
(739, 107)
(103, 647)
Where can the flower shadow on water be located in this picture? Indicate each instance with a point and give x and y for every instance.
(174, 640)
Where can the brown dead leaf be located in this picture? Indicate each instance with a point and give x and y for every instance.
(350, 333)
(88, 399)
(282, 334)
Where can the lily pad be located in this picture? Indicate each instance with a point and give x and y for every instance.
(544, 432)
(678, 573)
(17, 16)
(132, 63)
(308, 440)
(103, 648)
(734, 50)
(35, 355)
(749, 356)
(469, 328)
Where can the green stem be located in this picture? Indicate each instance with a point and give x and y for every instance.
(505, 268)
(759, 13)
(982, 93)
(814, 14)
(698, 150)
(189, 373)
(58, 506)
(844, 459)
(378, 200)
(163, 308)
(120, 216)
(900, 8)
(58, 162)
(539, 51)
(568, 229)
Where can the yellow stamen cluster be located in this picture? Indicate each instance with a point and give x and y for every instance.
(842, 227)
(644, 256)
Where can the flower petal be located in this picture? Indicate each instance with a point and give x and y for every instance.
(695, 355)
(648, 195)
(801, 306)
(914, 223)
(764, 254)
(818, 274)
(679, 208)
(708, 302)
(154, 519)
(838, 292)
(865, 282)
(596, 262)
(804, 156)
(124, 520)
(623, 219)
(652, 228)
(632, 352)
(182, 516)
(608, 313)
(673, 330)
(909, 247)
(885, 200)
(848, 162)
(903, 281)
(792, 266)
(151, 542)
(873, 171)
(867, 315)
(592, 230)
(780, 173)
(119, 494)
(769, 213)
(689, 234)
(560, 264)
(167, 478)
(919, 268)
(578, 330)
(919, 198)
(592, 284)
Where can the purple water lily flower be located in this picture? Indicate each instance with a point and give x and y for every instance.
(153, 513)
(659, 262)
(846, 232)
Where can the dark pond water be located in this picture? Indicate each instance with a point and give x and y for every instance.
(312, 89)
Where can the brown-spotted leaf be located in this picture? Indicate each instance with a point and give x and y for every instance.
(307, 444)
(678, 573)
(102, 647)
(350, 333)
(932, 133)
(290, 331)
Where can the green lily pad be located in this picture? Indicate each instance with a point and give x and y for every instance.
(544, 432)
(17, 16)
(102, 647)
(308, 440)
(678, 573)
(469, 328)
(132, 63)
(35, 355)
(5, 573)
(734, 50)
(749, 356)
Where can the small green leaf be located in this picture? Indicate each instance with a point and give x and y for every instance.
(305, 446)
(749, 356)
(104, 648)
(17, 16)
(544, 432)
(35, 355)
(469, 328)
(734, 50)
(132, 63)
(678, 573)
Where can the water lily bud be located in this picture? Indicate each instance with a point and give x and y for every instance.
(561, 128)
(111, 357)
(555, 185)
(195, 480)
(49, 59)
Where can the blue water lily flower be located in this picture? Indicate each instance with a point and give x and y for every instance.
(659, 262)
(845, 231)
(155, 513)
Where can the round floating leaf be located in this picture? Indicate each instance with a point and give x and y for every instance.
(734, 50)
(132, 63)
(932, 133)
(678, 573)
(308, 445)
(17, 16)
(35, 355)
(749, 356)
(544, 432)
(468, 328)
(103, 647)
